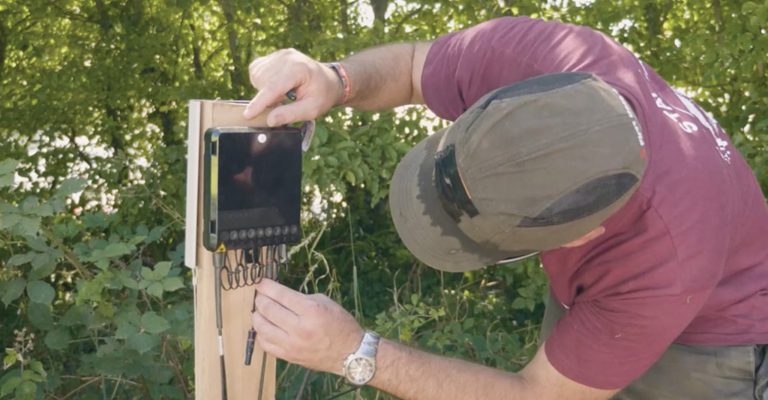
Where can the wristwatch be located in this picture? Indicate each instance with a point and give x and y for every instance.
(360, 366)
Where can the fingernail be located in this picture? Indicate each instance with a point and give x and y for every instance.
(247, 113)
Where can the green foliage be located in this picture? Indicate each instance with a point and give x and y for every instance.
(92, 120)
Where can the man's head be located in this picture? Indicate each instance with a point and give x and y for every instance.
(529, 167)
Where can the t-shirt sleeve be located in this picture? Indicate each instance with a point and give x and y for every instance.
(610, 342)
(636, 293)
(463, 66)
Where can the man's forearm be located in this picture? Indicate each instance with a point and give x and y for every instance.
(387, 76)
(412, 374)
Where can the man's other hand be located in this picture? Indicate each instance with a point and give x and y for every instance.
(317, 87)
(309, 330)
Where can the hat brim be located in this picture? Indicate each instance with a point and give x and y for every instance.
(425, 228)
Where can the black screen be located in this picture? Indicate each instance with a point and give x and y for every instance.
(259, 178)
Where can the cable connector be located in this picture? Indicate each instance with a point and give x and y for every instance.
(249, 346)
(219, 256)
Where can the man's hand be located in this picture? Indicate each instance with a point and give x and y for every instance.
(309, 330)
(379, 78)
(316, 86)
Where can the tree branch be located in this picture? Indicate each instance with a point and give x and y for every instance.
(236, 72)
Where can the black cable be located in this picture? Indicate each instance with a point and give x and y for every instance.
(337, 395)
(263, 370)
(276, 258)
(270, 253)
(219, 258)
(249, 343)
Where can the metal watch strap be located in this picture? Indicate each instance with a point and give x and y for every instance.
(367, 349)
(369, 345)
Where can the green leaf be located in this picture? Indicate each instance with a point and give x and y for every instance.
(40, 316)
(133, 241)
(116, 249)
(76, 315)
(90, 290)
(42, 266)
(10, 358)
(58, 339)
(95, 220)
(125, 330)
(70, 186)
(13, 289)
(6, 180)
(32, 205)
(40, 260)
(127, 280)
(106, 310)
(38, 244)
(37, 366)
(321, 135)
(65, 230)
(148, 274)
(26, 391)
(10, 385)
(58, 204)
(161, 269)
(155, 234)
(519, 303)
(172, 283)
(40, 292)
(30, 375)
(27, 226)
(350, 177)
(8, 166)
(143, 342)
(7, 172)
(21, 259)
(9, 220)
(155, 289)
(42, 210)
(153, 323)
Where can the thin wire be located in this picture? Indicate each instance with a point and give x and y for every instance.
(337, 395)
(219, 258)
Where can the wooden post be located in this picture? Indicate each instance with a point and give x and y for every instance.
(243, 382)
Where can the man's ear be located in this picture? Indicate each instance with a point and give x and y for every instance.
(593, 234)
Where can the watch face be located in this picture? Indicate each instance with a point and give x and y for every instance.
(360, 370)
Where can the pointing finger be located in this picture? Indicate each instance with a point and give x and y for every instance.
(269, 95)
(301, 110)
(286, 297)
(267, 329)
(276, 313)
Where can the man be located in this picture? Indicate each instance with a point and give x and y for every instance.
(651, 227)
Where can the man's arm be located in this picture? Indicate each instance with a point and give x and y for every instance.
(412, 374)
(313, 331)
(379, 78)
(387, 77)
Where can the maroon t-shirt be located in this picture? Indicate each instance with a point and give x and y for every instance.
(685, 260)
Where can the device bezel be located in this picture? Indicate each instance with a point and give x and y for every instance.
(212, 137)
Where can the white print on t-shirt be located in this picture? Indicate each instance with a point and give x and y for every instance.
(685, 125)
(682, 118)
(706, 120)
(631, 114)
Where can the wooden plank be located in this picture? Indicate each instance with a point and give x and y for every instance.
(243, 381)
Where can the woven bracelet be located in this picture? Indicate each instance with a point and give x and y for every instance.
(341, 72)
